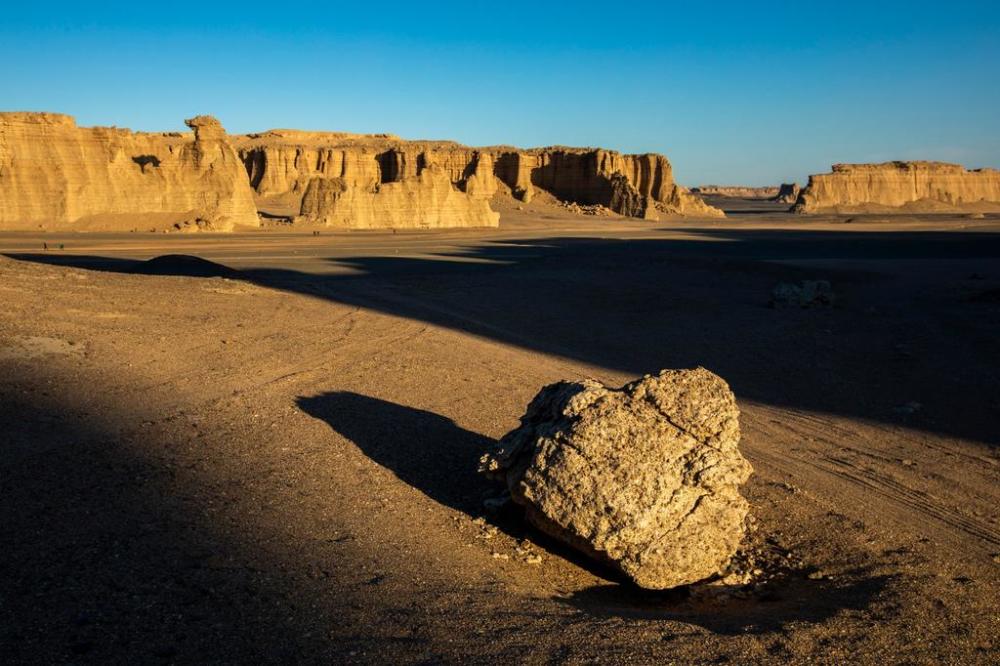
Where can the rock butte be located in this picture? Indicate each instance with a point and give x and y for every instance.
(56, 175)
(338, 179)
(912, 187)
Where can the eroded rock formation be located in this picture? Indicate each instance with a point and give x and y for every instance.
(55, 175)
(309, 174)
(369, 181)
(630, 185)
(788, 193)
(645, 478)
(901, 187)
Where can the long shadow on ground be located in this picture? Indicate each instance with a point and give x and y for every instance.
(437, 457)
(909, 329)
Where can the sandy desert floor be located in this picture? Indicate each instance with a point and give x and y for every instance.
(272, 457)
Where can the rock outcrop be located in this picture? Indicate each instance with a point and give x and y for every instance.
(645, 478)
(788, 193)
(737, 191)
(631, 185)
(910, 187)
(369, 173)
(369, 181)
(55, 175)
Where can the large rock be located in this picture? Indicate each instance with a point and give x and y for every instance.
(645, 478)
(55, 175)
(911, 187)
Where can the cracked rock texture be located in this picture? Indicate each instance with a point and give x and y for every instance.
(645, 478)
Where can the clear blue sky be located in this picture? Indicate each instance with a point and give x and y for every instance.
(731, 92)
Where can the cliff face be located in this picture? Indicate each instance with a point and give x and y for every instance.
(631, 185)
(903, 187)
(369, 181)
(56, 175)
(345, 180)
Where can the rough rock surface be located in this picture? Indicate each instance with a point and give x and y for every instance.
(283, 165)
(55, 175)
(369, 181)
(737, 191)
(645, 478)
(630, 185)
(901, 187)
(788, 193)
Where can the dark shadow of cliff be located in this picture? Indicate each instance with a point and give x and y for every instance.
(907, 329)
(113, 554)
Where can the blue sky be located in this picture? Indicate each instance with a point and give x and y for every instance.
(731, 92)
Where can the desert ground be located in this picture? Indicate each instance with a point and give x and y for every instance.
(269, 454)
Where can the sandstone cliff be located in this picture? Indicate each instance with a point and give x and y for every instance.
(631, 185)
(55, 175)
(901, 187)
(346, 180)
(369, 181)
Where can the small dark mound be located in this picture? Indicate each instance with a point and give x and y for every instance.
(183, 264)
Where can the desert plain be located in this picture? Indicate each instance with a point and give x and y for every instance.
(262, 446)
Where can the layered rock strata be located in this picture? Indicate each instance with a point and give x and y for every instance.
(645, 478)
(901, 187)
(340, 179)
(369, 181)
(55, 175)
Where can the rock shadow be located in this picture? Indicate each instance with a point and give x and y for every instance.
(428, 451)
(439, 458)
(732, 610)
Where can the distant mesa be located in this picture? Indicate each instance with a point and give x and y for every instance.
(737, 191)
(55, 175)
(901, 187)
(785, 193)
